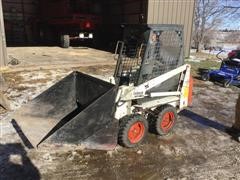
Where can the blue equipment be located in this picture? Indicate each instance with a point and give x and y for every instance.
(228, 74)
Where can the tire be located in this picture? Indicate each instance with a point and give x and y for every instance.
(164, 120)
(65, 41)
(226, 83)
(127, 136)
(205, 77)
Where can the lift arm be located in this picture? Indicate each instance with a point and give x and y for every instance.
(141, 91)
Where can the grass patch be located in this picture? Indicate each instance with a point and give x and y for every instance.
(203, 65)
(206, 56)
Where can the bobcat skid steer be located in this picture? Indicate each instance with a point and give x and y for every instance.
(150, 85)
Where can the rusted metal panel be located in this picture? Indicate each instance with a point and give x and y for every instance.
(173, 12)
(3, 51)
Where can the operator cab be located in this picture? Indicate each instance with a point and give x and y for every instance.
(148, 51)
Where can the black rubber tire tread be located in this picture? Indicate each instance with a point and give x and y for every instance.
(65, 41)
(205, 77)
(155, 120)
(124, 125)
(226, 83)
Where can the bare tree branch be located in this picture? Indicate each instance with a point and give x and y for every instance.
(232, 7)
(209, 15)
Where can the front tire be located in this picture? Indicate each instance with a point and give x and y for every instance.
(132, 131)
(65, 41)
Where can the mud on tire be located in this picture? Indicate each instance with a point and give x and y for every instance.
(132, 130)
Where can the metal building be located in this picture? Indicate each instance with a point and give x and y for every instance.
(173, 12)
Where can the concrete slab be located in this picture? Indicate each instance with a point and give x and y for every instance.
(56, 57)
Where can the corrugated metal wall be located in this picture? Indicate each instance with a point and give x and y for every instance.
(173, 12)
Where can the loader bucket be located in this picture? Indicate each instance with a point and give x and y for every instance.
(78, 109)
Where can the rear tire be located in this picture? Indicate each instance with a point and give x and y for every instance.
(65, 41)
(132, 130)
(164, 120)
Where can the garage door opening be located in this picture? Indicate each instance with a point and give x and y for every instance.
(94, 23)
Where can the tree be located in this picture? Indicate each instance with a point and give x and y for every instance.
(209, 15)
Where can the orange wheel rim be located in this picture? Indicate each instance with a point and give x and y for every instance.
(167, 121)
(136, 132)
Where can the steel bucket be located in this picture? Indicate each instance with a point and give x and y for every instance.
(79, 109)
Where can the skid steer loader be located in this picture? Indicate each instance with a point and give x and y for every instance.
(150, 85)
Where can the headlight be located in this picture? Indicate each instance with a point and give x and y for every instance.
(81, 35)
(90, 35)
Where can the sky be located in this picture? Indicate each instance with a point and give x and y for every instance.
(233, 22)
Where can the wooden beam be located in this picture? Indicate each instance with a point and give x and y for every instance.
(3, 50)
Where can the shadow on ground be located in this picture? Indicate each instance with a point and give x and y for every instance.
(203, 120)
(15, 164)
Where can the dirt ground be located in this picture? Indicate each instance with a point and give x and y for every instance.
(35, 58)
(199, 147)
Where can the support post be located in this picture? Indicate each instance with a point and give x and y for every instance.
(3, 50)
